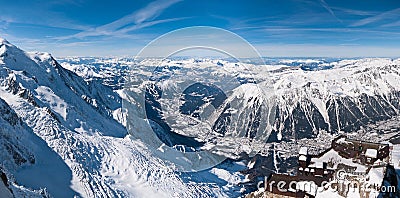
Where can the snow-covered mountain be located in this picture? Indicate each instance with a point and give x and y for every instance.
(63, 127)
(343, 97)
(352, 94)
(59, 135)
(312, 106)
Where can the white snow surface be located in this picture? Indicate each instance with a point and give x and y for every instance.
(371, 153)
(335, 159)
(90, 153)
(78, 150)
(303, 151)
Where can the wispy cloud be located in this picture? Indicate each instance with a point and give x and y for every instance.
(354, 12)
(136, 20)
(281, 31)
(394, 24)
(4, 22)
(376, 18)
(329, 9)
(39, 14)
(77, 44)
(29, 44)
(50, 23)
(151, 11)
(148, 24)
(66, 2)
(314, 50)
(6, 19)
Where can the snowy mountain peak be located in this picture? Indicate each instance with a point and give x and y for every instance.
(6, 46)
(3, 41)
(11, 53)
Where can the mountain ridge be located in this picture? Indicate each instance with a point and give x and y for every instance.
(88, 152)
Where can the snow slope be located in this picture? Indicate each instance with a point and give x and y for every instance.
(335, 96)
(351, 94)
(78, 148)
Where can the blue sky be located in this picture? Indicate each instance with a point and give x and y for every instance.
(350, 28)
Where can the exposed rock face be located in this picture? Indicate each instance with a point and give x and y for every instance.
(15, 153)
(390, 183)
(344, 114)
(347, 98)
